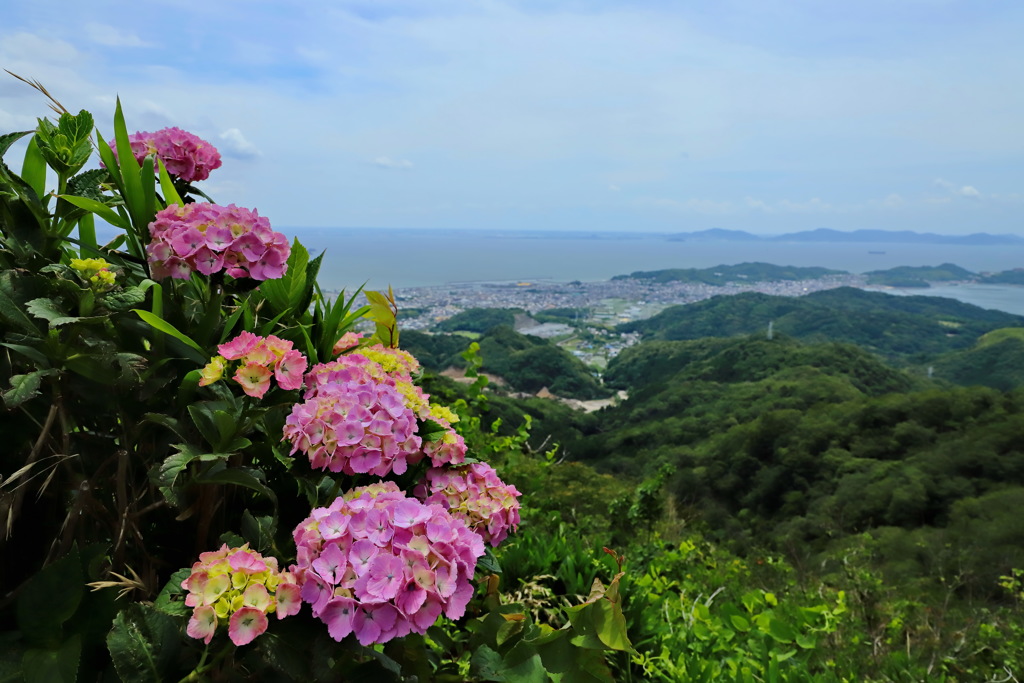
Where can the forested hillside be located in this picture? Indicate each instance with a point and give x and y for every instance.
(899, 328)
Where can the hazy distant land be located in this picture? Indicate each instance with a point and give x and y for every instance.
(855, 236)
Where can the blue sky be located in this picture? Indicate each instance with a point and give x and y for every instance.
(763, 115)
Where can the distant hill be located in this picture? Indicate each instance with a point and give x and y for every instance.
(723, 274)
(919, 276)
(854, 236)
(897, 327)
(1007, 277)
(479, 319)
(996, 361)
(748, 359)
(528, 364)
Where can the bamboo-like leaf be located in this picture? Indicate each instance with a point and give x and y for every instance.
(147, 181)
(200, 356)
(108, 159)
(171, 195)
(98, 208)
(132, 189)
(33, 169)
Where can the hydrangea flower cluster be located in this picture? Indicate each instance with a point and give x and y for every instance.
(446, 447)
(96, 271)
(353, 420)
(261, 358)
(381, 565)
(360, 416)
(185, 155)
(476, 495)
(210, 238)
(241, 586)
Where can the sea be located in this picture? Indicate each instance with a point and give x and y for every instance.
(377, 258)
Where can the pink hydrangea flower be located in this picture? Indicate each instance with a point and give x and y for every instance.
(391, 569)
(240, 587)
(260, 360)
(476, 495)
(349, 340)
(210, 239)
(362, 414)
(185, 155)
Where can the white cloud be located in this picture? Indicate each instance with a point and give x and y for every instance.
(234, 144)
(388, 162)
(614, 188)
(110, 36)
(967, 191)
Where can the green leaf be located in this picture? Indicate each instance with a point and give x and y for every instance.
(488, 563)
(24, 387)
(132, 189)
(11, 313)
(200, 356)
(248, 477)
(259, 531)
(29, 352)
(287, 292)
(98, 208)
(8, 139)
(171, 195)
(58, 665)
(33, 169)
(171, 599)
(50, 598)
(124, 299)
(739, 623)
(174, 464)
(144, 644)
(780, 630)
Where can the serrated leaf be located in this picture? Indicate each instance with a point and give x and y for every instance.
(8, 139)
(124, 299)
(174, 464)
(259, 531)
(144, 644)
(488, 563)
(11, 313)
(87, 184)
(24, 387)
(171, 599)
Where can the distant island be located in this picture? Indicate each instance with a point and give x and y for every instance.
(900, 276)
(855, 236)
(721, 275)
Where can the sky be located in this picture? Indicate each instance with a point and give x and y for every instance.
(651, 116)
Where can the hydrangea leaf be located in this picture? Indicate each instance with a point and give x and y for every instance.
(171, 599)
(24, 387)
(8, 139)
(144, 644)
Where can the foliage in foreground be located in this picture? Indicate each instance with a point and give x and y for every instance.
(193, 431)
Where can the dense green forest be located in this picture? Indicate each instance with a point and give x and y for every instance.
(899, 328)
(793, 508)
(526, 363)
